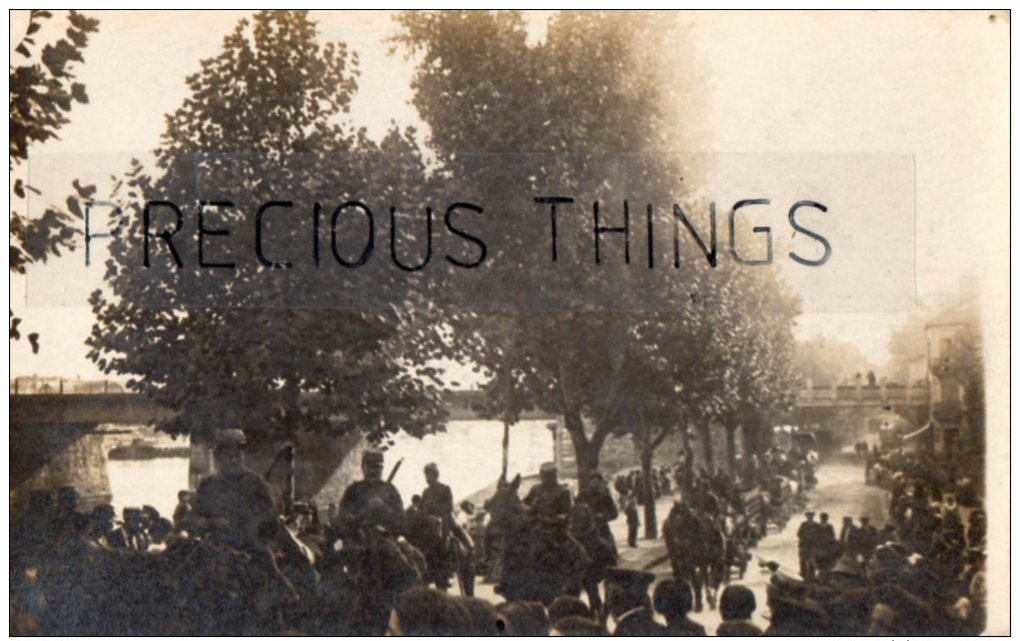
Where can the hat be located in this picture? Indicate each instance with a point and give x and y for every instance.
(547, 468)
(804, 610)
(372, 455)
(847, 565)
(781, 583)
(865, 519)
(809, 514)
(231, 437)
(432, 467)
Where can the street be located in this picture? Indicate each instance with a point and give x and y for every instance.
(840, 492)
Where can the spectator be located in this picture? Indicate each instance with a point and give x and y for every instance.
(674, 601)
(736, 607)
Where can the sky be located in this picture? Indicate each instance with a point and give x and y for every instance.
(900, 118)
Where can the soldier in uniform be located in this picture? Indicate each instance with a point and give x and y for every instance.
(232, 504)
(437, 502)
(548, 501)
(369, 519)
(807, 546)
(371, 502)
(597, 497)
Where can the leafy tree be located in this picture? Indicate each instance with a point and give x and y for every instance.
(577, 102)
(826, 361)
(43, 91)
(482, 89)
(256, 345)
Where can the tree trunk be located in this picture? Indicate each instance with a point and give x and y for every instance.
(731, 450)
(651, 524)
(506, 448)
(706, 444)
(585, 452)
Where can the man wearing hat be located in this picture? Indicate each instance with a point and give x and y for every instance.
(808, 536)
(549, 501)
(437, 502)
(868, 537)
(372, 501)
(628, 603)
(597, 497)
(233, 503)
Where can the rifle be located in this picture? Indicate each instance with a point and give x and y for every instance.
(396, 468)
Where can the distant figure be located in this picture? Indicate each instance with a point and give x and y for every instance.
(131, 534)
(183, 510)
(807, 546)
(828, 548)
(633, 519)
(871, 378)
(736, 607)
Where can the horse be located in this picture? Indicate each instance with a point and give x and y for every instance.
(682, 533)
(712, 563)
(534, 560)
(599, 550)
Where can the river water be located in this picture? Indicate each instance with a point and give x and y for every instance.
(469, 455)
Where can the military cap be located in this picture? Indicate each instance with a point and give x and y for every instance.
(231, 437)
(809, 514)
(547, 468)
(372, 455)
(432, 467)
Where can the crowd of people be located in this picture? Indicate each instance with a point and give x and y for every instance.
(229, 563)
(920, 573)
(633, 607)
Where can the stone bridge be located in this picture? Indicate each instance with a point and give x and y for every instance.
(55, 437)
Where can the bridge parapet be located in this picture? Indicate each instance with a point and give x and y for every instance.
(864, 395)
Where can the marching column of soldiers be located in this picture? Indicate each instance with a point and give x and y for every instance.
(229, 564)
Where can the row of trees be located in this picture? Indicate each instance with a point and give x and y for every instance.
(266, 116)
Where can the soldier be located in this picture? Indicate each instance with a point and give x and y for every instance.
(371, 502)
(828, 547)
(597, 497)
(548, 501)
(232, 504)
(807, 546)
(868, 537)
(633, 519)
(437, 502)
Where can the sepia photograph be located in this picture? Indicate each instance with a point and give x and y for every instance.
(509, 323)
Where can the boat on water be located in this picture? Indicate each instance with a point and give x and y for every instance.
(140, 449)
